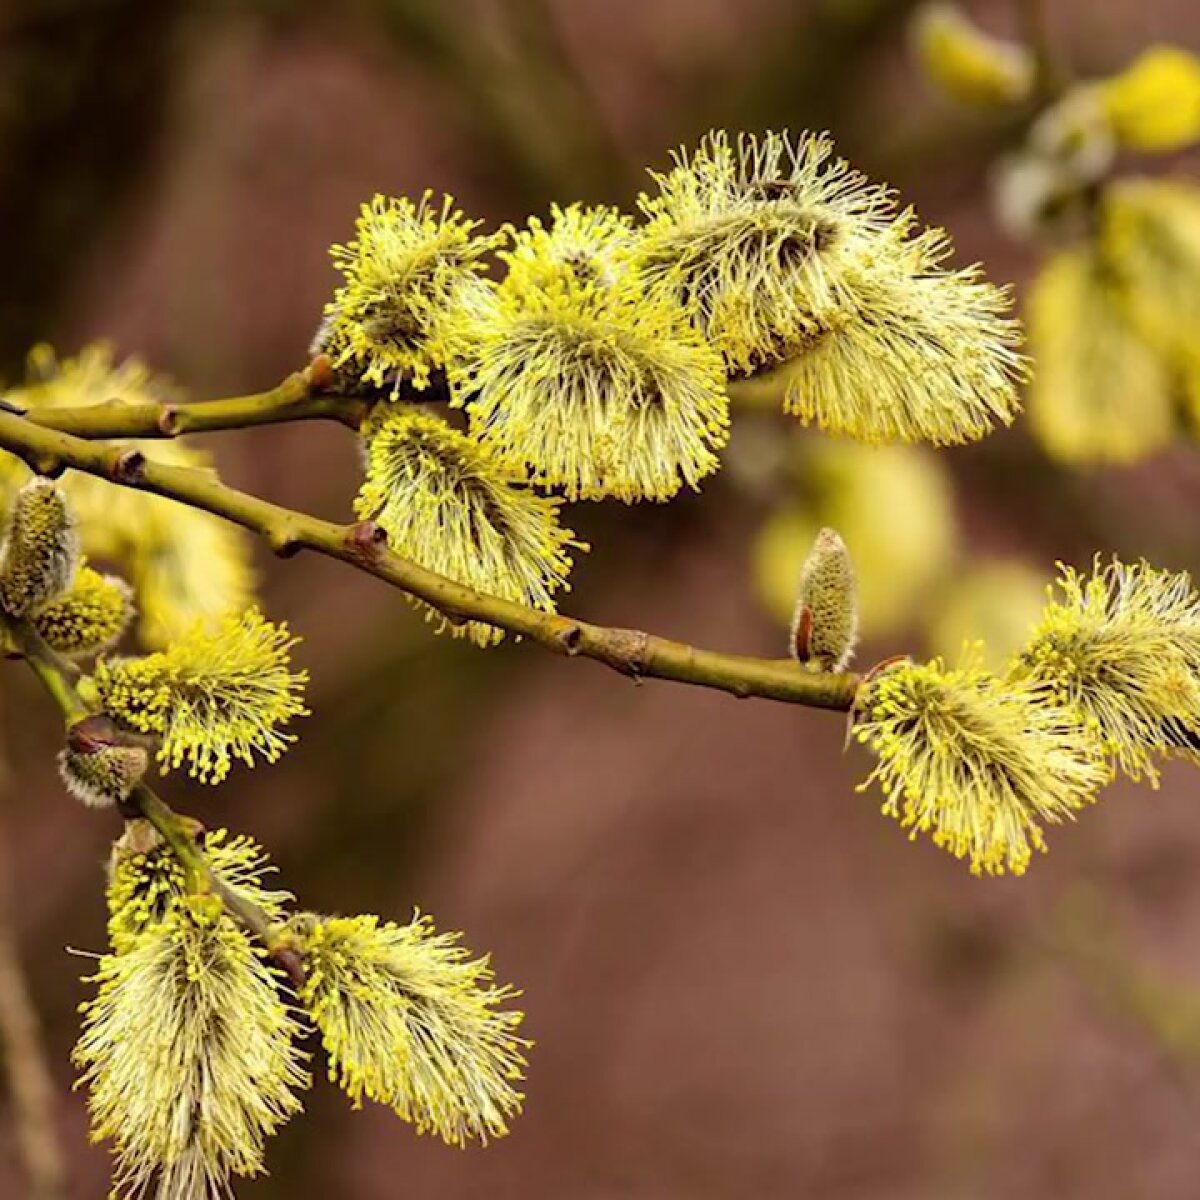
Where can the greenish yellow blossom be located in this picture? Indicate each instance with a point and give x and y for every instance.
(1121, 645)
(189, 1055)
(410, 1020)
(447, 505)
(571, 371)
(40, 553)
(979, 763)
(89, 617)
(920, 354)
(222, 692)
(406, 271)
(757, 240)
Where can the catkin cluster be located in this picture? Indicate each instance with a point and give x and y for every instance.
(588, 355)
(1108, 680)
(1113, 311)
(191, 1049)
(191, 1046)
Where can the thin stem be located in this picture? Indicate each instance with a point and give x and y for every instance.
(298, 398)
(363, 546)
(177, 831)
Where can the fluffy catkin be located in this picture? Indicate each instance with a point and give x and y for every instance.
(40, 554)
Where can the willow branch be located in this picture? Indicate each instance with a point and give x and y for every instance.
(300, 397)
(364, 546)
(176, 830)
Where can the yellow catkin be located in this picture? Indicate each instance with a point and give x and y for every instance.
(573, 371)
(923, 354)
(979, 763)
(449, 506)
(89, 617)
(1100, 391)
(40, 553)
(825, 620)
(408, 268)
(223, 692)
(410, 1020)
(784, 257)
(189, 1055)
(968, 64)
(1154, 104)
(757, 240)
(1121, 645)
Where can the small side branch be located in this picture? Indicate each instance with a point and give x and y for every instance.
(179, 832)
(364, 547)
(300, 397)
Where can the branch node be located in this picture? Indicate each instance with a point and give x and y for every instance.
(129, 467)
(366, 540)
(571, 639)
(168, 421)
(626, 650)
(285, 544)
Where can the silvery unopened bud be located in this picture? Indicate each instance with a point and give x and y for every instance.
(825, 621)
(97, 768)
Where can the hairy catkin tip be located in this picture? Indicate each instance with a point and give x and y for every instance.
(40, 553)
(102, 774)
(825, 621)
(408, 268)
(441, 499)
(574, 373)
(979, 763)
(189, 1054)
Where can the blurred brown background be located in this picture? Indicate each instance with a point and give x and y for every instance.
(742, 981)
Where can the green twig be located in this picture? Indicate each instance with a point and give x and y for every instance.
(364, 546)
(177, 831)
(298, 398)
